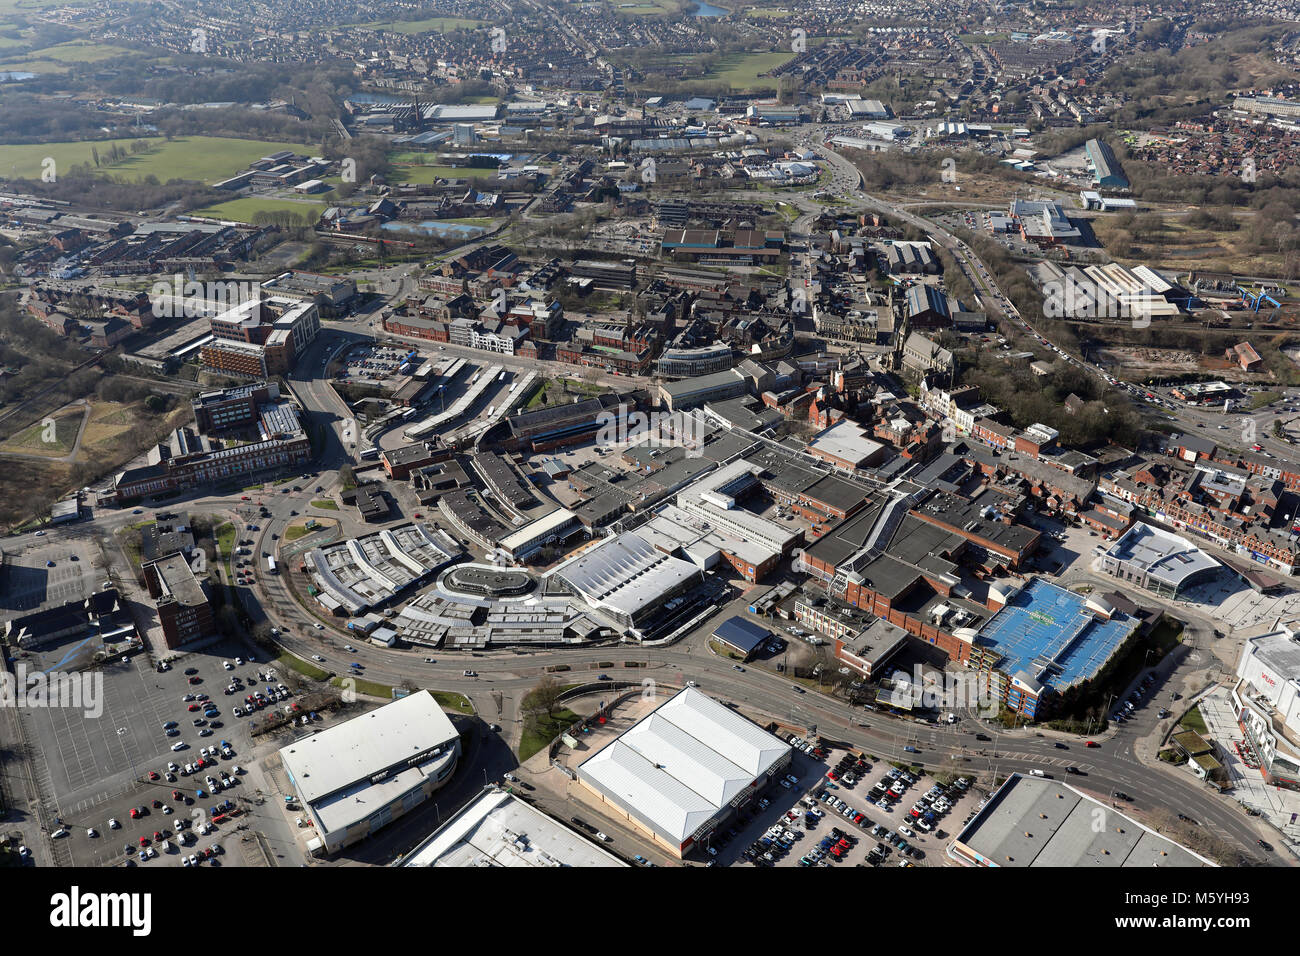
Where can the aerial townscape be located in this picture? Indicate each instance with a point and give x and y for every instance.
(650, 434)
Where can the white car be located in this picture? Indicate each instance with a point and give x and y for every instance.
(92, 832)
(180, 746)
(60, 832)
(349, 647)
(240, 661)
(317, 657)
(227, 665)
(114, 825)
(905, 831)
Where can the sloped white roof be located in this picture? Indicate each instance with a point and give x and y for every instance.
(678, 766)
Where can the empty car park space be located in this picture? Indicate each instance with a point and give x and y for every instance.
(90, 750)
(97, 762)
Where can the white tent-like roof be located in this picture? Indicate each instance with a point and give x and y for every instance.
(680, 765)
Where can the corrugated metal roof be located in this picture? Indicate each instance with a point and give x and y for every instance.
(680, 765)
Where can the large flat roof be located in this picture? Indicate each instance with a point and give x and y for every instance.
(358, 749)
(678, 766)
(499, 829)
(847, 441)
(544, 525)
(1033, 821)
(177, 580)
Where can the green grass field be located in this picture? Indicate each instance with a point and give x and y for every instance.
(79, 51)
(295, 663)
(540, 731)
(207, 159)
(361, 686)
(58, 58)
(243, 210)
(741, 71)
(450, 700)
(16, 13)
(420, 175)
(431, 25)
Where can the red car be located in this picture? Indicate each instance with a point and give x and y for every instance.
(144, 841)
(196, 680)
(153, 774)
(245, 498)
(157, 836)
(176, 795)
(1092, 743)
(192, 708)
(157, 804)
(418, 515)
(832, 775)
(135, 814)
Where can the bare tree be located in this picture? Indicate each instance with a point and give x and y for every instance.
(543, 698)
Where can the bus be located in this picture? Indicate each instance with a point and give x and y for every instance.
(370, 454)
(409, 413)
(270, 565)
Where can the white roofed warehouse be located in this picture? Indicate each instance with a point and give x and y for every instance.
(684, 770)
(358, 776)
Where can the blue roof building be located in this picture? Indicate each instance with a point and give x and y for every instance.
(1046, 640)
(742, 635)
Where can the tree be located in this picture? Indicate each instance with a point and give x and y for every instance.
(542, 699)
